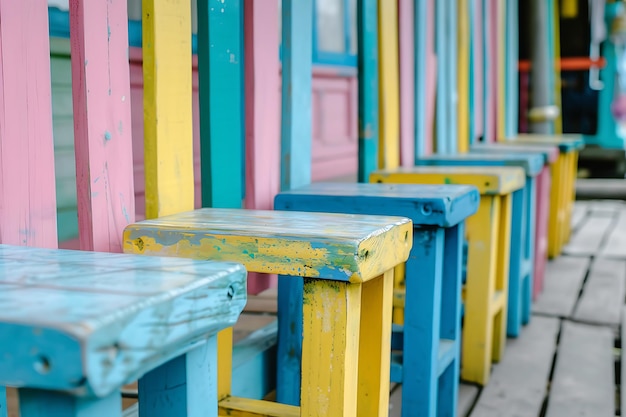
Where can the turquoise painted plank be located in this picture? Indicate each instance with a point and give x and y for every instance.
(91, 322)
(222, 102)
(296, 113)
(3, 402)
(446, 33)
(367, 34)
(421, 36)
(40, 403)
(511, 68)
(185, 386)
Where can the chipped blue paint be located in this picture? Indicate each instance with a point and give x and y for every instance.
(107, 135)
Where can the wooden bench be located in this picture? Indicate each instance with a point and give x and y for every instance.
(522, 227)
(347, 263)
(76, 326)
(429, 364)
(489, 237)
(543, 198)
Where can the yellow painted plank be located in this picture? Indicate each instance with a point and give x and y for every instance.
(557, 207)
(225, 363)
(501, 82)
(375, 346)
(331, 322)
(168, 124)
(399, 286)
(389, 85)
(499, 309)
(488, 180)
(244, 407)
(463, 63)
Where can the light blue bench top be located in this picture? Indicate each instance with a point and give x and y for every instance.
(549, 152)
(531, 163)
(340, 247)
(438, 205)
(88, 323)
(566, 142)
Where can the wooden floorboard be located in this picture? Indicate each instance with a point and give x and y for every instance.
(587, 240)
(579, 213)
(518, 384)
(616, 242)
(583, 383)
(603, 294)
(467, 397)
(623, 365)
(564, 278)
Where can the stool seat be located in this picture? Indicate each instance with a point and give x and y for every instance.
(565, 142)
(549, 152)
(531, 163)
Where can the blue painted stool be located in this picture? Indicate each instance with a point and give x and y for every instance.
(522, 225)
(428, 368)
(76, 326)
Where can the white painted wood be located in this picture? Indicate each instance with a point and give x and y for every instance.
(604, 292)
(564, 277)
(587, 240)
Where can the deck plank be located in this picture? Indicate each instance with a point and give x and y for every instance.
(467, 396)
(603, 295)
(616, 243)
(518, 384)
(578, 214)
(587, 240)
(623, 367)
(564, 277)
(583, 383)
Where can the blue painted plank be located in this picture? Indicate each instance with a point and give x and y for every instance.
(439, 205)
(290, 330)
(511, 68)
(532, 163)
(549, 153)
(222, 91)
(296, 93)
(518, 241)
(367, 29)
(421, 35)
(184, 386)
(39, 403)
(92, 325)
(3, 402)
(445, 41)
(254, 363)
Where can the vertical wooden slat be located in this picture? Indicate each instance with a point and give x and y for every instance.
(27, 188)
(541, 59)
(421, 68)
(389, 86)
(511, 70)
(463, 76)
(477, 83)
(102, 122)
(445, 28)
(490, 65)
(221, 82)
(431, 79)
(367, 28)
(406, 30)
(168, 131)
(556, 59)
(501, 108)
(296, 93)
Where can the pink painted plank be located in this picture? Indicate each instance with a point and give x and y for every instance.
(541, 230)
(262, 114)
(431, 80)
(477, 42)
(406, 35)
(490, 27)
(102, 122)
(27, 188)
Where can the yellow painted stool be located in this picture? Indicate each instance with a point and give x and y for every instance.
(489, 240)
(347, 263)
(563, 195)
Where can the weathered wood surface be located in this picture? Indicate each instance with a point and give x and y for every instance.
(94, 316)
(518, 383)
(583, 383)
(331, 246)
(587, 240)
(564, 278)
(604, 292)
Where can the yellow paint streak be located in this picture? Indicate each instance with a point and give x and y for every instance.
(244, 407)
(375, 346)
(331, 322)
(225, 363)
(168, 136)
(501, 81)
(569, 8)
(463, 43)
(399, 286)
(389, 85)
(503, 180)
(361, 261)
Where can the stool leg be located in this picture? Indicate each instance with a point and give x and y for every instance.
(420, 352)
(375, 346)
(39, 403)
(554, 236)
(399, 284)
(502, 276)
(289, 350)
(184, 386)
(331, 325)
(514, 317)
(482, 231)
(3, 402)
(451, 318)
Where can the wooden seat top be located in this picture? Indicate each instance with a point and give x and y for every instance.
(531, 163)
(549, 152)
(438, 205)
(88, 323)
(566, 143)
(490, 180)
(340, 247)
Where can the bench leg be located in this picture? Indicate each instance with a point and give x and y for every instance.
(289, 350)
(422, 323)
(499, 310)
(515, 294)
(3, 402)
(184, 386)
(40, 403)
(331, 326)
(556, 209)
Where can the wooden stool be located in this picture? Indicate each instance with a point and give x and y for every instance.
(347, 261)
(76, 326)
(550, 154)
(429, 364)
(564, 184)
(489, 236)
(522, 227)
